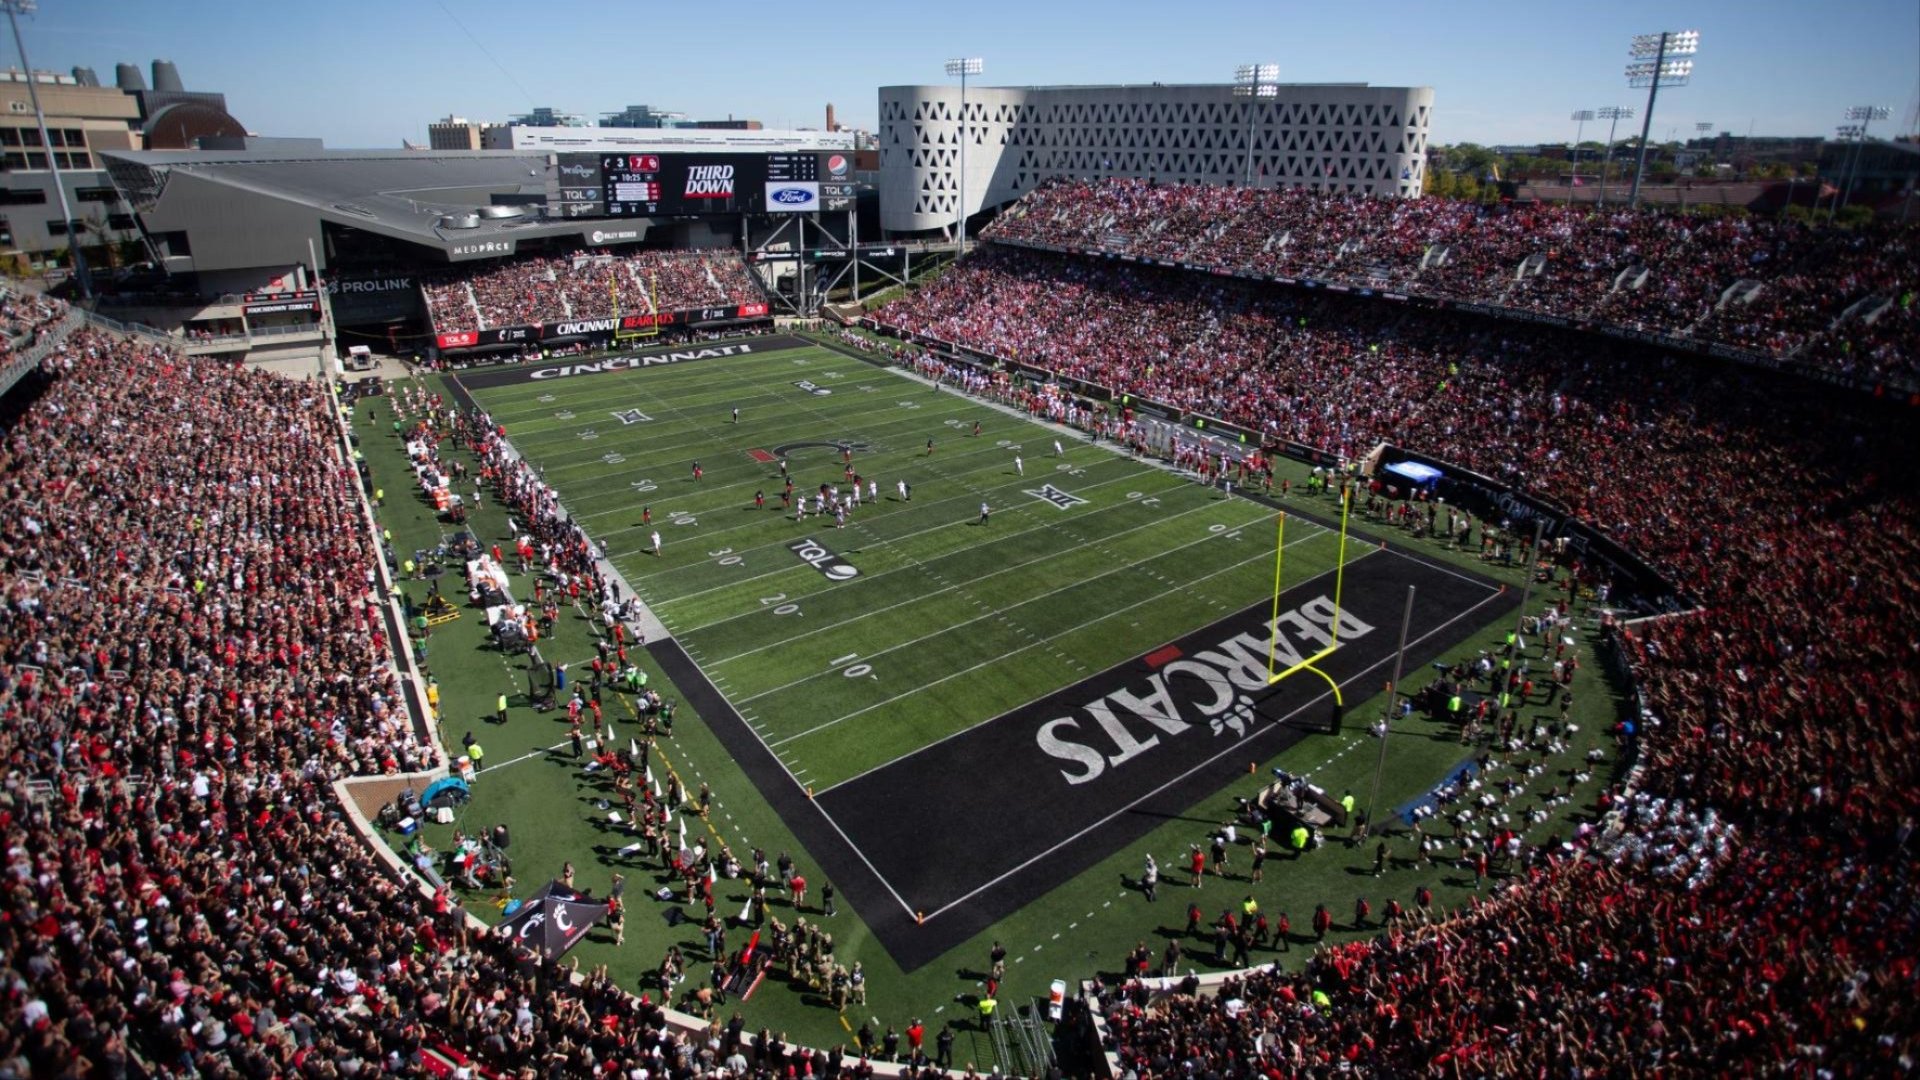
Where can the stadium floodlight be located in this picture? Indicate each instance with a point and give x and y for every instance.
(1655, 66)
(1668, 72)
(1254, 81)
(1612, 114)
(963, 66)
(15, 9)
(1866, 115)
(1580, 118)
(1664, 44)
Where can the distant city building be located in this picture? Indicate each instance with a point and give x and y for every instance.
(454, 133)
(1879, 173)
(642, 116)
(661, 140)
(648, 117)
(547, 117)
(1763, 149)
(459, 133)
(84, 118)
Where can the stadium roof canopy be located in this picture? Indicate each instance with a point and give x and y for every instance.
(243, 208)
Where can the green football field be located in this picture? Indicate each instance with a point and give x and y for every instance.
(944, 630)
(948, 622)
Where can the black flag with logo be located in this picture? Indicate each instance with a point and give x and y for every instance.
(554, 921)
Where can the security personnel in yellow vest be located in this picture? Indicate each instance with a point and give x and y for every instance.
(1346, 803)
(987, 1005)
(1298, 838)
(500, 708)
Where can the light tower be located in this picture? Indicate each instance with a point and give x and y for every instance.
(15, 9)
(1866, 115)
(1580, 118)
(963, 67)
(1252, 82)
(1612, 114)
(1655, 65)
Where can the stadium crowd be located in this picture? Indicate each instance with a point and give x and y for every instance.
(1553, 259)
(1783, 705)
(24, 317)
(587, 285)
(191, 649)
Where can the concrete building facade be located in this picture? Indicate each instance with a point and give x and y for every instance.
(82, 121)
(1334, 137)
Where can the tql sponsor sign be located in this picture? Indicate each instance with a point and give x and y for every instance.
(816, 555)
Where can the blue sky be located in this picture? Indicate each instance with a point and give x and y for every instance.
(368, 74)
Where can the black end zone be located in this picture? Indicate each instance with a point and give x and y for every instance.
(970, 829)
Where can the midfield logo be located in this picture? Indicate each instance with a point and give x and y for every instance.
(816, 555)
(813, 388)
(632, 416)
(1061, 500)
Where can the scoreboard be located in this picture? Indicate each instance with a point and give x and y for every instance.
(624, 185)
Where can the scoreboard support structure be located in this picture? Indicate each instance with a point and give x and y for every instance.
(797, 213)
(801, 260)
(779, 248)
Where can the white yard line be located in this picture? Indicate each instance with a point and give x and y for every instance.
(960, 518)
(779, 546)
(1117, 611)
(484, 769)
(915, 566)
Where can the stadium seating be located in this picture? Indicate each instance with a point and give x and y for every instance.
(549, 289)
(190, 652)
(1587, 261)
(24, 317)
(1773, 808)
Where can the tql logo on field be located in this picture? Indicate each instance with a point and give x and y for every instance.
(815, 554)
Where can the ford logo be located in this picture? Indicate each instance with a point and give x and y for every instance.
(793, 196)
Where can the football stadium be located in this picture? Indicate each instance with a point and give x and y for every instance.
(1158, 593)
